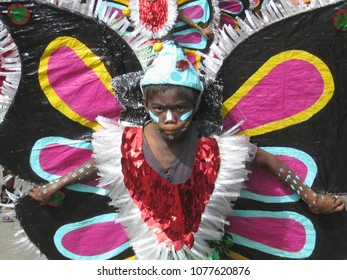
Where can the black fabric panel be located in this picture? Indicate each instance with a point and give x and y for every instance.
(31, 116)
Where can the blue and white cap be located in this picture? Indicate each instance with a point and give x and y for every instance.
(171, 66)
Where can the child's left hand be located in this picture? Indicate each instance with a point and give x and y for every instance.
(327, 204)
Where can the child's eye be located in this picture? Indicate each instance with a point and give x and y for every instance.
(181, 108)
(158, 109)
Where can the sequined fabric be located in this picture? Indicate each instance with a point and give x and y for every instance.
(171, 211)
(153, 15)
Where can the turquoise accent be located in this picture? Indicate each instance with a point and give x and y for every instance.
(65, 229)
(175, 76)
(153, 117)
(305, 252)
(205, 17)
(172, 67)
(186, 116)
(230, 11)
(88, 189)
(43, 143)
(183, 118)
(35, 162)
(105, 4)
(204, 5)
(196, 46)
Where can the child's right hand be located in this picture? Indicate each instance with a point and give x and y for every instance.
(207, 33)
(42, 194)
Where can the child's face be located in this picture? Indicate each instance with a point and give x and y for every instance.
(171, 113)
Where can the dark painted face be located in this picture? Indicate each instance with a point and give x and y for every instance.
(171, 113)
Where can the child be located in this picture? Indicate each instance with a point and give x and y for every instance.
(174, 189)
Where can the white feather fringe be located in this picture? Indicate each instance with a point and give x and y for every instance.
(21, 186)
(76, 5)
(11, 65)
(230, 181)
(227, 38)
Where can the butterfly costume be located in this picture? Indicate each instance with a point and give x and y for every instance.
(67, 108)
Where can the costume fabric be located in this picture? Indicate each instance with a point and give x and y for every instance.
(181, 168)
(177, 71)
(159, 219)
(165, 220)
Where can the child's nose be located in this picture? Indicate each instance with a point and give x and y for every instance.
(169, 116)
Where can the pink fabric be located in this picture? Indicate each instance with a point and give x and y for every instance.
(278, 95)
(191, 38)
(225, 19)
(280, 233)
(263, 183)
(55, 156)
(85, 241)
(232, 6)
(194, 12)
(53, 159)
(79, 87)
(192, 58)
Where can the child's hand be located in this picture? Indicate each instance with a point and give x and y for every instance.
(207, 33)
(327, 204)
(42, 194)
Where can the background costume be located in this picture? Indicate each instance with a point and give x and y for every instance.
(275, 53)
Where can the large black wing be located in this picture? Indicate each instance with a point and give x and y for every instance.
(271, 72)
(31, 116)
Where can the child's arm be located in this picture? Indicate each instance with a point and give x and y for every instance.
(205, 31)
(318, 203)
(82, 173)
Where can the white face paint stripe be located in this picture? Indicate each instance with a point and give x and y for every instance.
(168, 115)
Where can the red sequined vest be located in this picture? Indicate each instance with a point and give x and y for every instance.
(171, 211)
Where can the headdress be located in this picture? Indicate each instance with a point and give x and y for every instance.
(172, 67)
